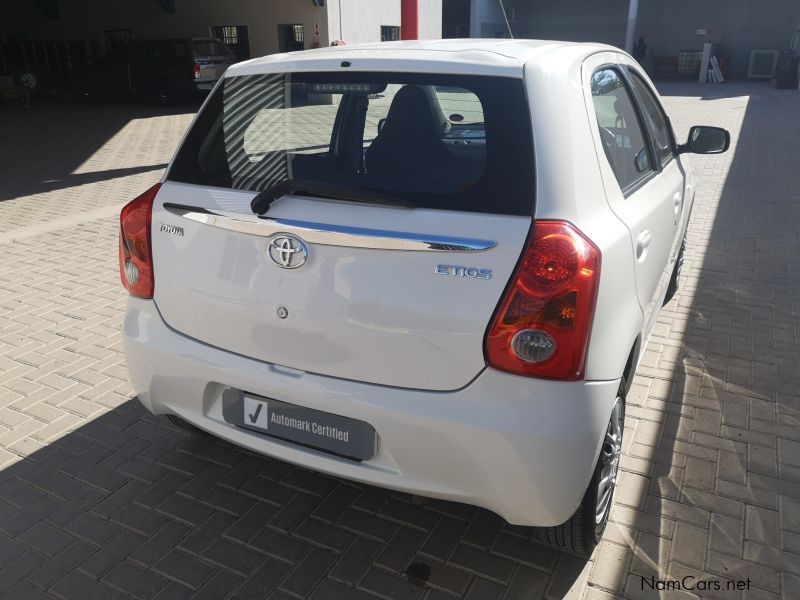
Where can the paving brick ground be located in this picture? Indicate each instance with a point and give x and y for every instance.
(99, 499)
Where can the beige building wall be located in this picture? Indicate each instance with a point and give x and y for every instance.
(87, 19)
(430, 19)
(360, 20)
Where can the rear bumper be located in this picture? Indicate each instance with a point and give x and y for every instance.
(523, 448)
(204, 87)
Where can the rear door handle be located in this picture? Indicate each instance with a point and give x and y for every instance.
(642, 243)
(677, 199)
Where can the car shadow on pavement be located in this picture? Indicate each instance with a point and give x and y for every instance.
(42, 149)
(77, 179)
(129, 504)
(716, 410)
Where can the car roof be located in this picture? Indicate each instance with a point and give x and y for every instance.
(478, 55)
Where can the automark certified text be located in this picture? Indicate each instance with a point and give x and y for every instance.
(310, 426)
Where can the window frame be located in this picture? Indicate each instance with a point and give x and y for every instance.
(655, 167)
(240, 48)
(395, 29)
(115, 37)
(291, 34)
(631, 73)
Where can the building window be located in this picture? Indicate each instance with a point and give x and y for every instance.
(235, 37)
(390, 33)
(291, 38)
(115, 37)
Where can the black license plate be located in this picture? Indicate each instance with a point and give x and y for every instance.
(316, 429)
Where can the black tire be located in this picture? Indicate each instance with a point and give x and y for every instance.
(178, 422)
(674, 281)
(166, 94)
(581, 533)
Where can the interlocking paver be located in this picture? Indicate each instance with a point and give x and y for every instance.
(184, 569)
(325, 535)
(309, 572)
(222, 584)
(159, 544)
(232, 556)
(63, 564)
(113, 500)
(76, 586)
(135, 581)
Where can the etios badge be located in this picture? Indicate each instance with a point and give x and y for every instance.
(287, 251)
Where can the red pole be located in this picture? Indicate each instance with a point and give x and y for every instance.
(409, 20)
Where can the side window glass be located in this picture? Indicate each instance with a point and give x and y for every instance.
(623, 139)
(656, 123)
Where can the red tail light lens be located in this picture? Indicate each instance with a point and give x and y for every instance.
(196, 71)
(542, 326)
(135, 250)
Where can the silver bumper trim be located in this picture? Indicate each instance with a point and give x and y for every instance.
(329, 235)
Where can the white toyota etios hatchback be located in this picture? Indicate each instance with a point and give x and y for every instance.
(426, 266)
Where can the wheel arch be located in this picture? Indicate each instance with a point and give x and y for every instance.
(632, 362)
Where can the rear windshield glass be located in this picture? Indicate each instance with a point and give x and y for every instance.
(439, 141)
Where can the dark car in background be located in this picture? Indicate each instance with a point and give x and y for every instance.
(167, 71)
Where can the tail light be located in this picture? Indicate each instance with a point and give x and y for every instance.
(196, 71)
(135, 250)
(542, 326)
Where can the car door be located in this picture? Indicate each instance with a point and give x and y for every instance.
(665, 149)
(636, 188)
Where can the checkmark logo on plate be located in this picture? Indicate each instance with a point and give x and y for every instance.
(254, 416)
(255, 413)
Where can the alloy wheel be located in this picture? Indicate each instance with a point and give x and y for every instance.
(609, 459)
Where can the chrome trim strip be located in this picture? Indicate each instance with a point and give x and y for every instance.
(329, 235)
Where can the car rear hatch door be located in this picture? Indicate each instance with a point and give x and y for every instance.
(369, 301)
(397, 295)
